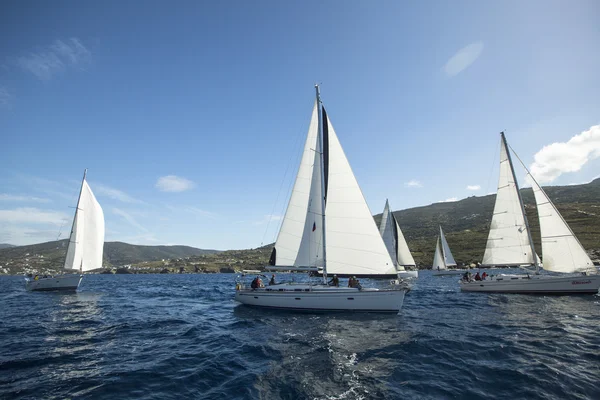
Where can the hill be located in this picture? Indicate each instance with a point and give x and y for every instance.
(50, 255)
(5, 245)
(466, 222)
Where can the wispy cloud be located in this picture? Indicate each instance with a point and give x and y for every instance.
(265, 220)
(23, 199)
(172, 183)
(129, 218)
(50, 60)
(192, 210)
(413, 183)
(114, 194)
(5, 98)
(473, 187)
(556, 159)
(463, 58)
(33, 216)
(52, 188)
(451, 199)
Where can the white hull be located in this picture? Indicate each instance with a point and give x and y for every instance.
(57, 283)
(448, 272)
(302, 297)
(535, 284)
(408, 274)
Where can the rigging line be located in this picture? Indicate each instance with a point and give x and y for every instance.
(280, 187)
(492, 169)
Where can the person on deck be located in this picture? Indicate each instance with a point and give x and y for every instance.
(272, 281)
(352, 282)
(484, 275)
(334, 281)
(465, 277)
(254, 283)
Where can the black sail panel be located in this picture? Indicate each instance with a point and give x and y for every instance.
(325, 150)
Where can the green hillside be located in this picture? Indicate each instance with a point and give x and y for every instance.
(466, 222)
(50, 255)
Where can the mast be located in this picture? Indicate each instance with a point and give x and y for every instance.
(74, 219)
(320, 141)
(512, 170)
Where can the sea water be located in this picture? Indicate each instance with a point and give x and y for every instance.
(183, 336)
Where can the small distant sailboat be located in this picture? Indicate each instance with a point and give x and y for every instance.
(510, 244)
(327, 228)
(396, 244)
(86, 245)
(443, 261)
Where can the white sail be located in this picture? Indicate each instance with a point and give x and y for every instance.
(561, 249)
(292, 227)
(404, 256)
(448, 258)
(386, 230)
(438, 259)
(86, 243)
(310, 252)
(508, 241)
(354, 245)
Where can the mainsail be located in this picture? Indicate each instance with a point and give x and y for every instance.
(438, 259)
(448, 258)
(508, 242)
(86, 243)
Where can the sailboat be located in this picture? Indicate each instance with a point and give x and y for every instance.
(86, 245)
(510, 244)
(443, 261)
(327, 228)
(396, 244)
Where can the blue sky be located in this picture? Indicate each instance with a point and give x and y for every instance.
(190, 116)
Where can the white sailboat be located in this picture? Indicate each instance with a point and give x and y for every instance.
(86, 245)
(443, 261)
(510, 244)
(327, 227)
(396, 244)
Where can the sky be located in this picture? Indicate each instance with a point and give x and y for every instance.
(191, 116)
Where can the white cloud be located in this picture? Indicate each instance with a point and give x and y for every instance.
(413, 183)
(556, 159)
(473, 187)
(172, 183)
(113, 193)
(463, 58)
(129, 218)
(451, 199)
(5, 98)
(33, 216)
(50, 60)
(23, 199)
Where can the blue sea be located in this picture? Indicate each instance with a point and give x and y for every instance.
(183, 336)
